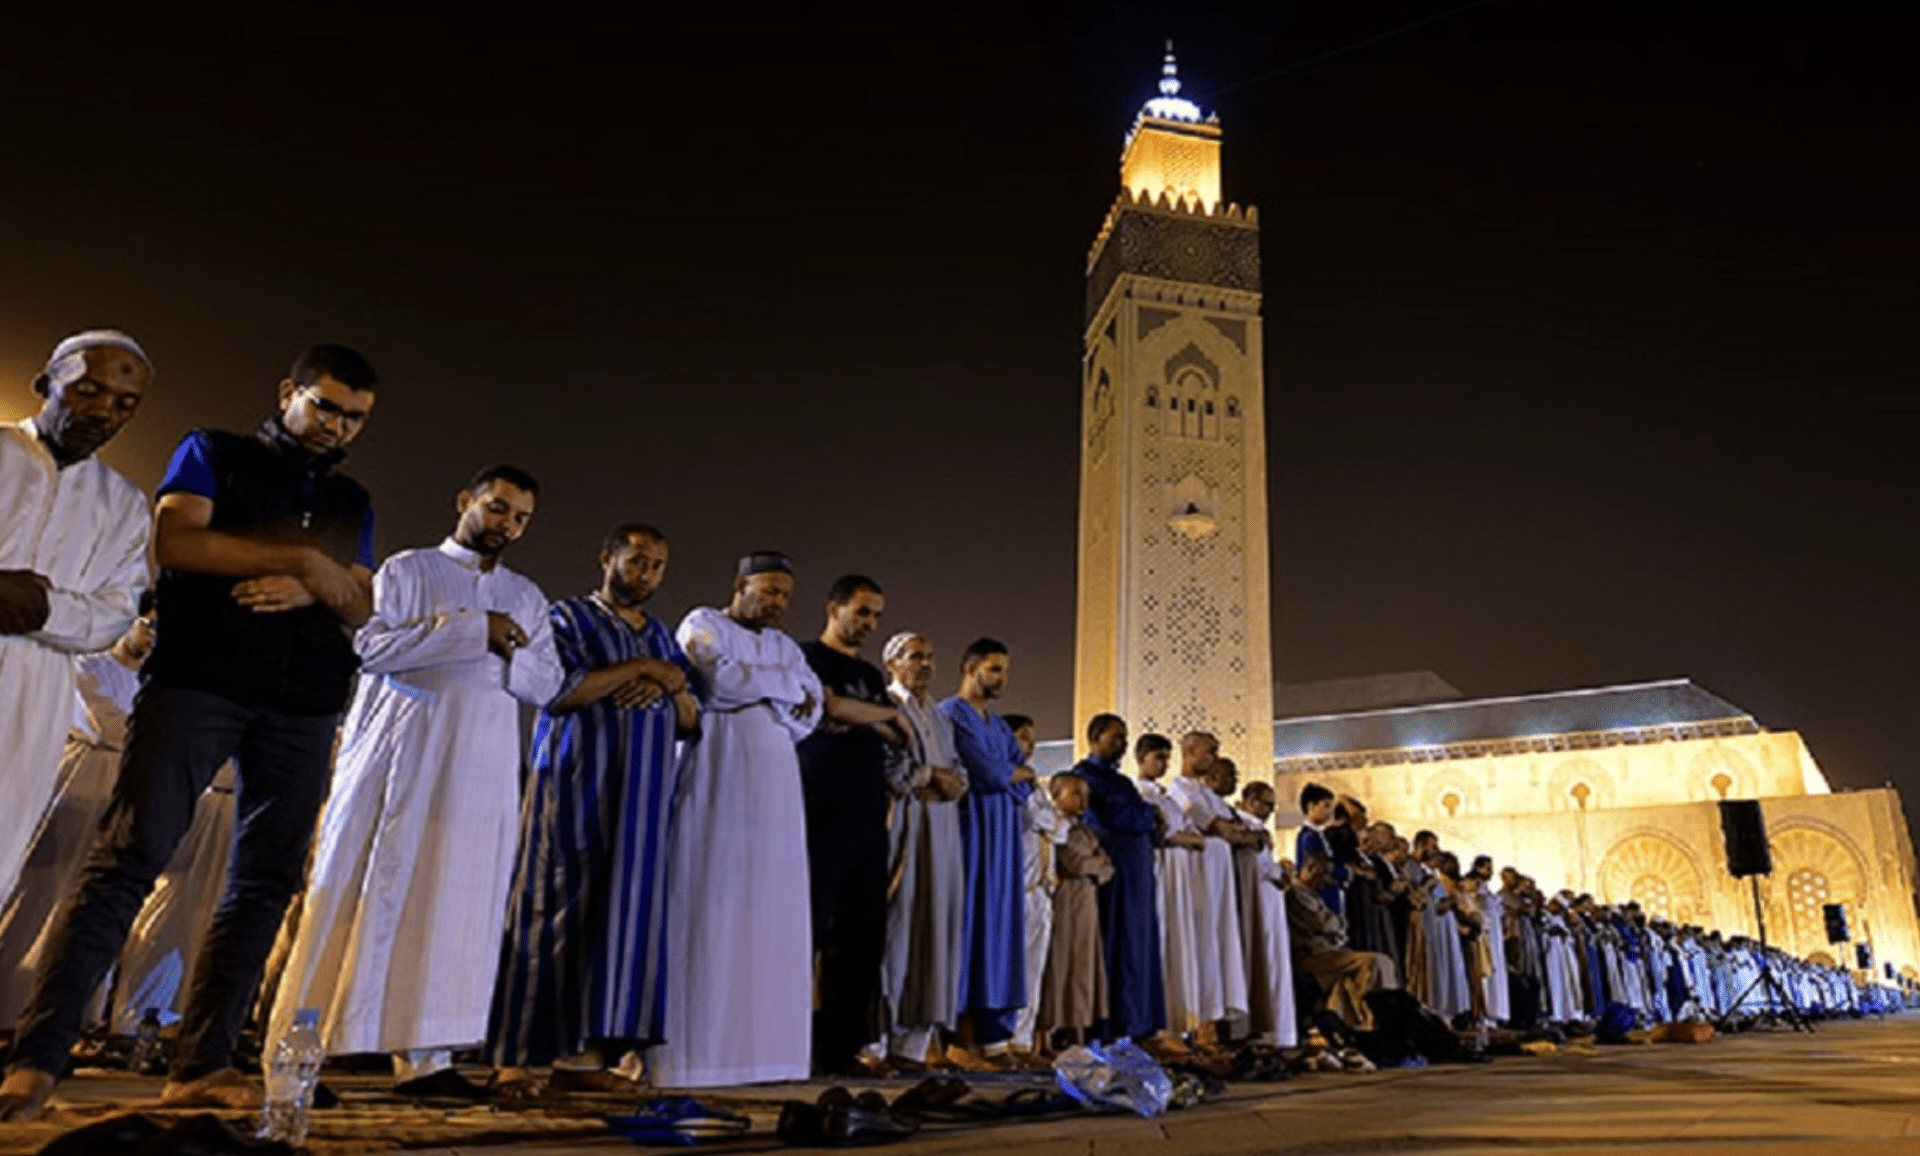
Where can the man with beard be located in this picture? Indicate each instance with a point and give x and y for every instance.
(1129, 903)
(740, 998)
(843, 772)
(583, 969)
(73, 560)
(926, 877)
(401, 923)
(1262, 890)
(266, 552)
(992, 815)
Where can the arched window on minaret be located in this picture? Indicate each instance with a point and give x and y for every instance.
(1153, 397)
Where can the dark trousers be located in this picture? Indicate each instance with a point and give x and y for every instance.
(176, 740)
(847, 875)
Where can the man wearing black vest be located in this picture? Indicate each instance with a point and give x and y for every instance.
(266, 556)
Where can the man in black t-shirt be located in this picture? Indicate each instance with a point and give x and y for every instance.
(843, 769)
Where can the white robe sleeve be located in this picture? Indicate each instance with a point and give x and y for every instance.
(534, 673)
(735, 680)
(406, 632)
(86, 621)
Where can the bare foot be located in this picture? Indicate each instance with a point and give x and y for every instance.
(226, 1088)
(23, 1095)
(592, 1080)
(515, 1084)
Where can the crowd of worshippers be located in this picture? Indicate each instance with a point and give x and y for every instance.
(723, 857)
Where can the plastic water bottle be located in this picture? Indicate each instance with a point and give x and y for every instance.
(291, 1077)
(146, 1043)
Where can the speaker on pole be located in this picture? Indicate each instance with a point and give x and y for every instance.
(1835, 915)
(1744, 830)
(1863, 956)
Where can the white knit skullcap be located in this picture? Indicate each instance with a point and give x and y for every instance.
(66, 363)
(897, 645)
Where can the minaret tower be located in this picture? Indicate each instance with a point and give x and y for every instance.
(1173, 630)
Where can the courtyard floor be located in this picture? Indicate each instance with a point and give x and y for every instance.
(1850, 1088)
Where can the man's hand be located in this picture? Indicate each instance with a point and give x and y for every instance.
(23, 601)
(802, 709)
(504, 635)
(950, 783)
(1191, 840)
(272, 594)
(638, 693)
(894, 734)
(328, 581)
(1024, 775)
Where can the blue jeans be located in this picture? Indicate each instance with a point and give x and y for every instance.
(177, 739)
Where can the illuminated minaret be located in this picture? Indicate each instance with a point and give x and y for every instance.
(1172, 629)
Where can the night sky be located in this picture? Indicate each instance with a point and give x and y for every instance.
(1590, 326)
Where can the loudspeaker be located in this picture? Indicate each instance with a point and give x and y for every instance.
(1889, 970)
(1835, 915)
(1863, 956)
(1744, 830)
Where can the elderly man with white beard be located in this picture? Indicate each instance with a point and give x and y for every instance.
(927, 869)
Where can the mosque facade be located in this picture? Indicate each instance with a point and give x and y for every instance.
(1612, 792)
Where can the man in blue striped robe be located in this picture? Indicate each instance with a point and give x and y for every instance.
(582, 977)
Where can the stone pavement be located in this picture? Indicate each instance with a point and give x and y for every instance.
(1851, 1088)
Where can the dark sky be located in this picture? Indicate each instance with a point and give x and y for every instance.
(1590, 325)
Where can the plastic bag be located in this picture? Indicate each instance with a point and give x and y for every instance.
(1116, 1075)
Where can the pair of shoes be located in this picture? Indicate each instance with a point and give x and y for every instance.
(839, 1119)
(933, 1096)
(139, 1135)
(226, 1088)
(1355, 1060)
(445, 1084)
(678, 1120)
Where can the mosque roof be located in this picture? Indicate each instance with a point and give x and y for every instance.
(1605, 708)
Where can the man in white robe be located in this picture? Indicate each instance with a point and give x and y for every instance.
(1177, 858)
(927, 879)
(73, 560)
(1223, 978)
(88, 766)
(1265, 941)
(1494, 987)
(739, 937)
(400, 934)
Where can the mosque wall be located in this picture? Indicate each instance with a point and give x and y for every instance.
(1598, 775)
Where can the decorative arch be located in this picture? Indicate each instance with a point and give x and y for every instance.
(1719, 772)
(1656, 871)
(1450, 795)
(1816, 865)
(1579, 784)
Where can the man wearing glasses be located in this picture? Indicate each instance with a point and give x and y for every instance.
(266, 554)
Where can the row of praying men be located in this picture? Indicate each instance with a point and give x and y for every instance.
(729, 858)
(1481, 955)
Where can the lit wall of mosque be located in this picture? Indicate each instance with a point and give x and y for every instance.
(1638, 821)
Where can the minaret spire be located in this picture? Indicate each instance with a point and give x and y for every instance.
(1170, 73)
